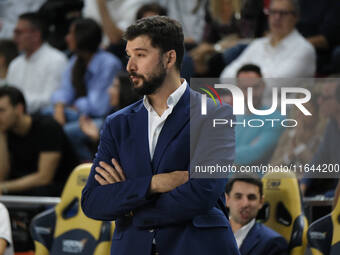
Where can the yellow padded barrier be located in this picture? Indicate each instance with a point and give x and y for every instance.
(315, 251)
(71, 197)
(284, 188)
(335, 214)
(40, 249)
(72, 190)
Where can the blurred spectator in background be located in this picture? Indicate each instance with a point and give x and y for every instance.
(88, 75)
(151, 9)
(10, 11)
(35, 155)
(114, 16)
(284, 53)
(85, 82)
(244, 198)
(319, 22)
(298, 145)
(190, 14)
(8, 51)
(228, 22)
(117, 15)
(328, 151)
(6, 242)
(86, 139)
(37, 72)
(254, 145)
(59, 14)
(233, 17)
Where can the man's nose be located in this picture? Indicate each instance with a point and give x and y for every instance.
(244, 201)
(131, 66)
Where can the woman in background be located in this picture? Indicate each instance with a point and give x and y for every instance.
(121, 94)
(87, 77)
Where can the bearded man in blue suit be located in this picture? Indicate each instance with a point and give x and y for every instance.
(140, 175)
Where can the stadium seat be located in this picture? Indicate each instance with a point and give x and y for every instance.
(283, 210)
(324, 234)
(65, 229)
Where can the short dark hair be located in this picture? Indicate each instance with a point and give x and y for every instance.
(164, 33)
(37, 21)
(249, 68)
(251, 179)
(14, 94)
(152, 7)
(9, 50)
(88, 34)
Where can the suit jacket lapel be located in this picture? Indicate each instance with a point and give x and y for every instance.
(138, 122)
(173, 124)
(251, 240)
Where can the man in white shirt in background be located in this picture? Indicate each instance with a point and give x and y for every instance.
(6, 242)
(284, 53)
(37, 72)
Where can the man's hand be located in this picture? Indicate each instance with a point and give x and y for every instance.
(161, 183)
(108, 174)
(89, 127)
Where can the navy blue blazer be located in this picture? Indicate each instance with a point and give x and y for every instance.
(186, 220)
(262, 240)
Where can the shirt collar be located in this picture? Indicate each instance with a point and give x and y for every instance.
(36, 54)
(172, 99)
(286, 40)
(243, 232)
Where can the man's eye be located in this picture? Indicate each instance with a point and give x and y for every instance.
(140, 55)
(252, 197)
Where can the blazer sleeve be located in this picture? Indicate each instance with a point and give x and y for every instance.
(109, 201)
(198, 195)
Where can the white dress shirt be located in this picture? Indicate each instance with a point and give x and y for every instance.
(156, 122)
(5, 230)
(37, 76)
(292, 57)
(241, 234)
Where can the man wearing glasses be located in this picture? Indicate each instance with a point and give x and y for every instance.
(37, 72)
(284, 53)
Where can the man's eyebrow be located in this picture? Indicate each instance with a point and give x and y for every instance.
(137, 49)
(140, 49)
(238, 193)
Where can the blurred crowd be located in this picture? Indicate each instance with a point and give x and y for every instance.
(62, 71)
(62, 66)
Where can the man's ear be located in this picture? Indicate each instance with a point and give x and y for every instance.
(20, 108)
(171, 58)
(227, 198)
(261, 202)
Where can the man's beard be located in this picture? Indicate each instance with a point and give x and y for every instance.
(152, 84)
